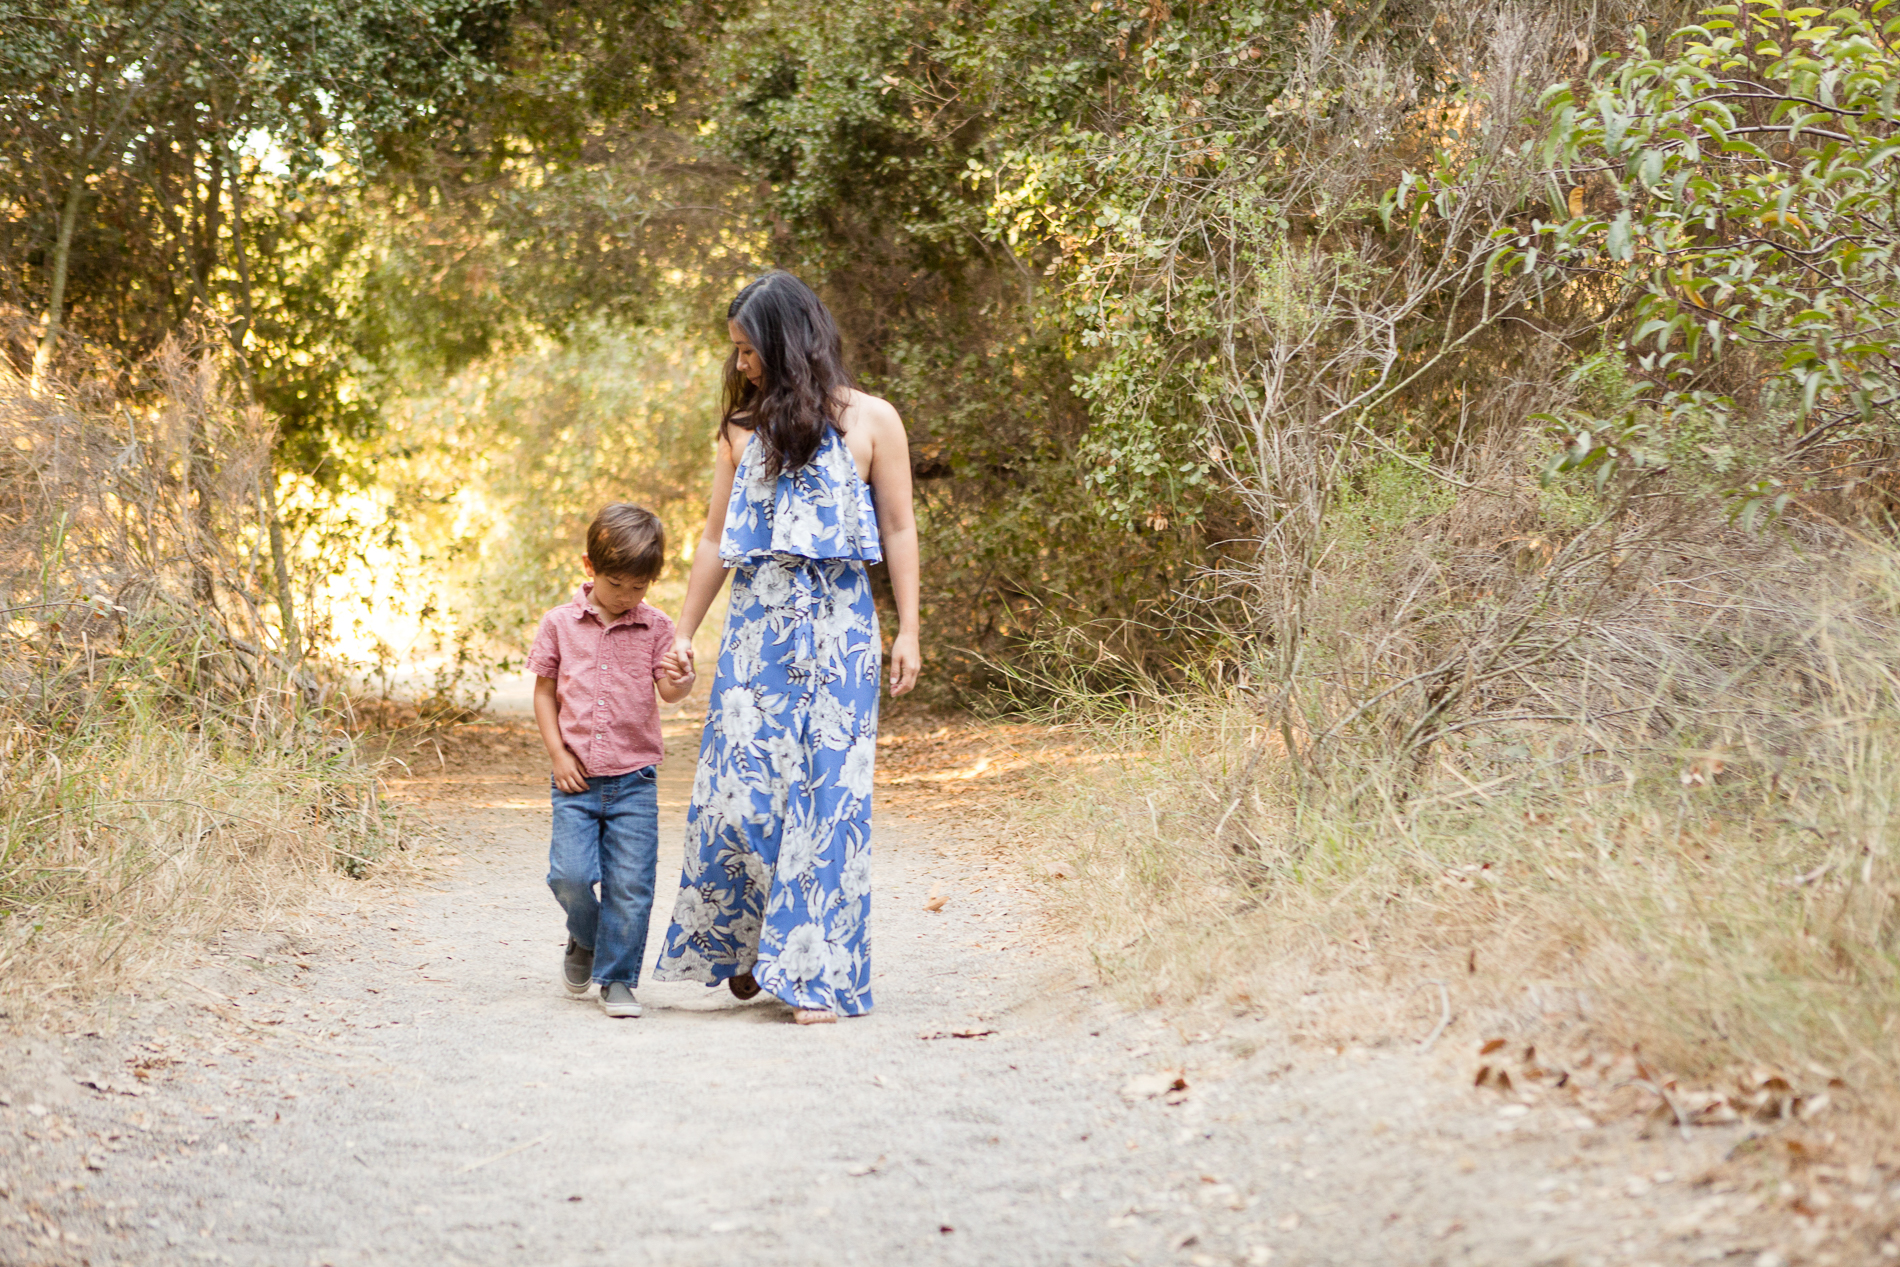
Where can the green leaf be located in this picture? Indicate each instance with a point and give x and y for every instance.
(1617, 242)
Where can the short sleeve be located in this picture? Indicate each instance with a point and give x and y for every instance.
(544, 657)
(662, 642)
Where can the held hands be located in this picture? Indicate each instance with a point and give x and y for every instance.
(678, 663)
(676, 675)
(568, 774)
(906, 660)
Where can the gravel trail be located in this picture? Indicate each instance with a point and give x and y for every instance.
(403, 1081)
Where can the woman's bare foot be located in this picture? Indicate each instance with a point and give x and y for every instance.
(743, 987)
(814, 1016)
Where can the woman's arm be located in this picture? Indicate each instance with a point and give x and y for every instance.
(897, 526)
(709, 571)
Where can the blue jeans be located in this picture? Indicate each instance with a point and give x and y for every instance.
(608, 835)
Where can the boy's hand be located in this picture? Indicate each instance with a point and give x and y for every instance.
(568, 775)
(677, 680)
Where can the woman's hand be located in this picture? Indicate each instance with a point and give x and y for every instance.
(679, 661)
(906, 660)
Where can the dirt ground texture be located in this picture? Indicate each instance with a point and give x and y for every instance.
(395, 1076)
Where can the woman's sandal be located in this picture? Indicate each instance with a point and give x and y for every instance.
(814, 1016)
(743, 987)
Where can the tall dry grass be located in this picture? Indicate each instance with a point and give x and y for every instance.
(1637, 773)
(163, 769)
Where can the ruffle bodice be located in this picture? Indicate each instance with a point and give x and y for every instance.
(822, 510)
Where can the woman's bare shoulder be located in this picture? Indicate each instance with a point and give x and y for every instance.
(730, 439)
(876, 412)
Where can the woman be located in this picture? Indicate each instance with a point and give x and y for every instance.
(811, 484)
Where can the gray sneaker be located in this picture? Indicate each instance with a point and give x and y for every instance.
(577, 967)
(616, 999)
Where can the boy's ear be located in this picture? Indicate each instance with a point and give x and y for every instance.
(588, 563)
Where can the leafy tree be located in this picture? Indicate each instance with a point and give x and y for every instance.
(1071, 241)
(1741, 185)
(144, 110)
(574, 183)
(140, 123)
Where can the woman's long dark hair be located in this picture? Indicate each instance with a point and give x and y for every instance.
(804, 387)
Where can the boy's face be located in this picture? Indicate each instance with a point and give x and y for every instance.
(613, 594)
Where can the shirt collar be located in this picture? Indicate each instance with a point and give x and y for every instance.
(584, 607)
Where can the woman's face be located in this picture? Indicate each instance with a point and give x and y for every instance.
(749, 363)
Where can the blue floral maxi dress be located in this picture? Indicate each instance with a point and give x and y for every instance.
(778, 837)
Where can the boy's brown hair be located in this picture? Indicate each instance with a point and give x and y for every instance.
(627, 541)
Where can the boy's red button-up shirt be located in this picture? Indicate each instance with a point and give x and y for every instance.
(604, 676)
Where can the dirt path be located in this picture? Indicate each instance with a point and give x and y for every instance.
(404, 1082)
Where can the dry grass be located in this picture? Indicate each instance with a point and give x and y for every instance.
(163, 771)
(124, 853)
(1693, 854)
(1619, 780)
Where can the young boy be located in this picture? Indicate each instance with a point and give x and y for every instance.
(597, 662)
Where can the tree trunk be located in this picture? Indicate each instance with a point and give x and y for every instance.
(198, 457)
(286, 595)
(198, 493)
(56, 297)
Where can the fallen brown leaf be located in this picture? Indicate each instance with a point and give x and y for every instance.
(936, 903)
